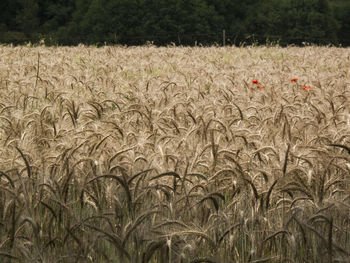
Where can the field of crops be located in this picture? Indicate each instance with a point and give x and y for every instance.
(147, 154)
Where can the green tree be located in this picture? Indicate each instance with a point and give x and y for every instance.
(292, 21)
(27, 17)
(341, 13)
(70, 22)
(8, 11)
(71, 33)
(234, 14)
(311, 21)
(96, 22)
(134, 22)
(264, 20)
(55, 14)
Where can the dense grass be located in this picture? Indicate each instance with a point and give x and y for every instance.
(173, 155)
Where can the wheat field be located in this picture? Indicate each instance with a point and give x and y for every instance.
(174, 154)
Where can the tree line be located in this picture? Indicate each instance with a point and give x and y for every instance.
(185, 22)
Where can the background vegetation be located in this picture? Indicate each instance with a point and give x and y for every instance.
(133, 22)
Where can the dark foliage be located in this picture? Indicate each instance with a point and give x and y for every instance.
(182, 22)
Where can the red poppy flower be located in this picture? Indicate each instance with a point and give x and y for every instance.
(254, 81)
(294, 80)
(306, 88)
(262, 87)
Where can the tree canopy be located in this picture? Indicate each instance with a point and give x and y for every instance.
(185, 22)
